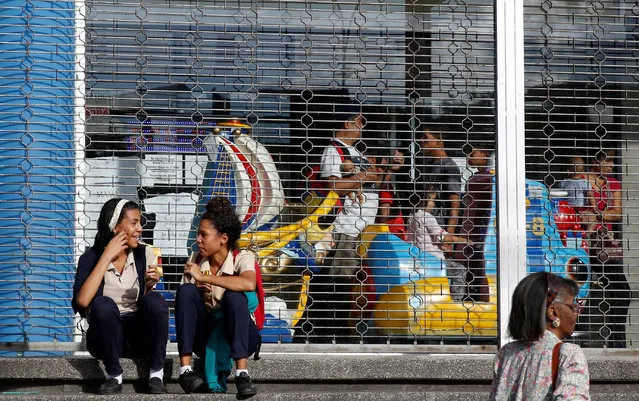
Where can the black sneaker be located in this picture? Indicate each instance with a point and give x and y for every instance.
(110, 386)
(156, 386)
(245, 387)
(192, 383)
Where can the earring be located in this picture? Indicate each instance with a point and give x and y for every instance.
(555, 323)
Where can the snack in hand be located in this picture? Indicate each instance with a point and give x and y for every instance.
(157, 252)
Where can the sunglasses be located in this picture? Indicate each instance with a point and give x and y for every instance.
(551, 294)
(577, 306)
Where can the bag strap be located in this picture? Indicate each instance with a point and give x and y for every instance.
(139, 255)
(256, 355)
(555, 364)
(341, 150)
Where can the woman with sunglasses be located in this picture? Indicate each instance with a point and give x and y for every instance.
(544, 311)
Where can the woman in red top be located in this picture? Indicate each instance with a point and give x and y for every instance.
(611, 285)
(606, 193)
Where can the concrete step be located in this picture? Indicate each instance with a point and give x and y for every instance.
(604, 366)
(312, 376)
(284, 392)
(311, 396)
(268, 391)
(276, 367)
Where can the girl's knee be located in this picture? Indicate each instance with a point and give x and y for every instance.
(234, 302)
(186, 290)
(234, 298)
(154, 301)
(103, 306)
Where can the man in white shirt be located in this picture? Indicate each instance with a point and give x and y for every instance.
(347, 172)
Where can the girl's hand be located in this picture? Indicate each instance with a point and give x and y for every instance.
(193, 270)
(397, 162)
(373, 174)
(151, 277)
(115, 246)
(205, 289)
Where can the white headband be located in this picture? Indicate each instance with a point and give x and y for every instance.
(116, 213)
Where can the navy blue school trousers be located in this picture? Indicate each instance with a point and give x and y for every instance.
(194, 323)
(142, 334)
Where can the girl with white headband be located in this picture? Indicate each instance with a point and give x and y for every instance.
(113, 289)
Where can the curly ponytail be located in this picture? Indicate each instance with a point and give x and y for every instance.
(221, 213)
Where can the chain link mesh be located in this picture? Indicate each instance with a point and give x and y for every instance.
(579, 123)
(162, 78)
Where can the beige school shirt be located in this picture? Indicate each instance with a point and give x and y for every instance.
(124, 287)
(244, 261)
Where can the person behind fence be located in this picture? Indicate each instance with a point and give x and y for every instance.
(389, 211)
(114, 289)
(611, 292)
(538, 366)
(606, 200)
(442, 171)
(474, 220)
(214, 304)
(357, 186)
(576, 184)
(426, 234)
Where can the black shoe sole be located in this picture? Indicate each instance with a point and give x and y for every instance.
(111, 392)
(245, 396)
(201, 389)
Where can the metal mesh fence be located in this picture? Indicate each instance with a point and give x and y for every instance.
(580, 126)
(164, 78)
(182, 101)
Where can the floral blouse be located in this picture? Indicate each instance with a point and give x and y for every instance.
(522, 372)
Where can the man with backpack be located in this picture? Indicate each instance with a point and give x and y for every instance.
(346, 171)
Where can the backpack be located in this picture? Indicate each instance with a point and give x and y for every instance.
(259, 291)
(315, 182)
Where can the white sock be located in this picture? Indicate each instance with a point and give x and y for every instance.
(184, 369)
(238, 371)
(156, 373)
(118, 378)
